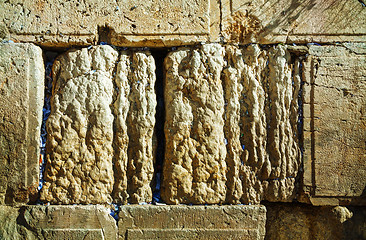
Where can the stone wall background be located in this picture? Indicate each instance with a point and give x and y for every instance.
(264, 103)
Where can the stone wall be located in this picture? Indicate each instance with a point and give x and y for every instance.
(237, 119)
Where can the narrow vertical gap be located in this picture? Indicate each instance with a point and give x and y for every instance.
(50, 57)
(159, 56)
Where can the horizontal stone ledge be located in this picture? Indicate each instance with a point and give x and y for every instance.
(192, 222)
(56, 23)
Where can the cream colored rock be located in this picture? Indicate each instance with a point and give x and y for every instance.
(103, 110)
(59, 23)
(69, 222)
(21, 102)
(261, 124)
(194, 168)
(80, 128)
(334, 155)
(135, 122)
(285, 21)
(192, 222)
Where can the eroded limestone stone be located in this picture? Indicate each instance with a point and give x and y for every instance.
(102, 113)
(261, 124)
(21, 98)
(135, 122)
(194, 167)
(334, 125)
(256, 96)
(192, 222)
(80, 128)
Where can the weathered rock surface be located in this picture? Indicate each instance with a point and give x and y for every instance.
(244, 116)
(59, 23)
(305, 222)
(192, 222)
(194, 167)
(261, 124)
(102, 113)
(334, 125)
(134, 136)
(181, 22)
(80, 128)
(21, 102)
(292, 21)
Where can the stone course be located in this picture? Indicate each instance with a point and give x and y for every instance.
(212, 107)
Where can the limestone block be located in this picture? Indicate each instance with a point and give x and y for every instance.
(21, 98)
(70, 222)
(293, 21)
(194, 168)
(261, 90)
(135, 142)
(300, 221)
(80, 128)
(123, 23)
(335, 157)
(192, 222)
(10, 228)
(102, 114)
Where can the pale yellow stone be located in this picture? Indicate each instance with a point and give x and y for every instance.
(336, 168)
(21, 102)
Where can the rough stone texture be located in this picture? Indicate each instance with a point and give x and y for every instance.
(292, 21)
(244, 116)
(300, 221)
(102, 113)
(174, 23)
(194, 168)
(334, 125)
(56, 223)
(80, 128)
(60, 23)
(192, 222)
(134, 140)
(261, 89)
(21, 98)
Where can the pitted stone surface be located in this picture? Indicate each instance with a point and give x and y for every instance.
(192, 222)
(102, 113)
(256, 96)
(21, 102)
(261, 124)
(334, 123)
(135, 111)
(194, 167)
(80, 128)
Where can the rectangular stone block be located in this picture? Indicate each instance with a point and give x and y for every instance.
(70, 222)
(190, 222)
(194, 168)
(275, 21)
(21, 98)
(231, 132)
(301, 221)
(123, 23)
(100, 131)
(336, 171)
